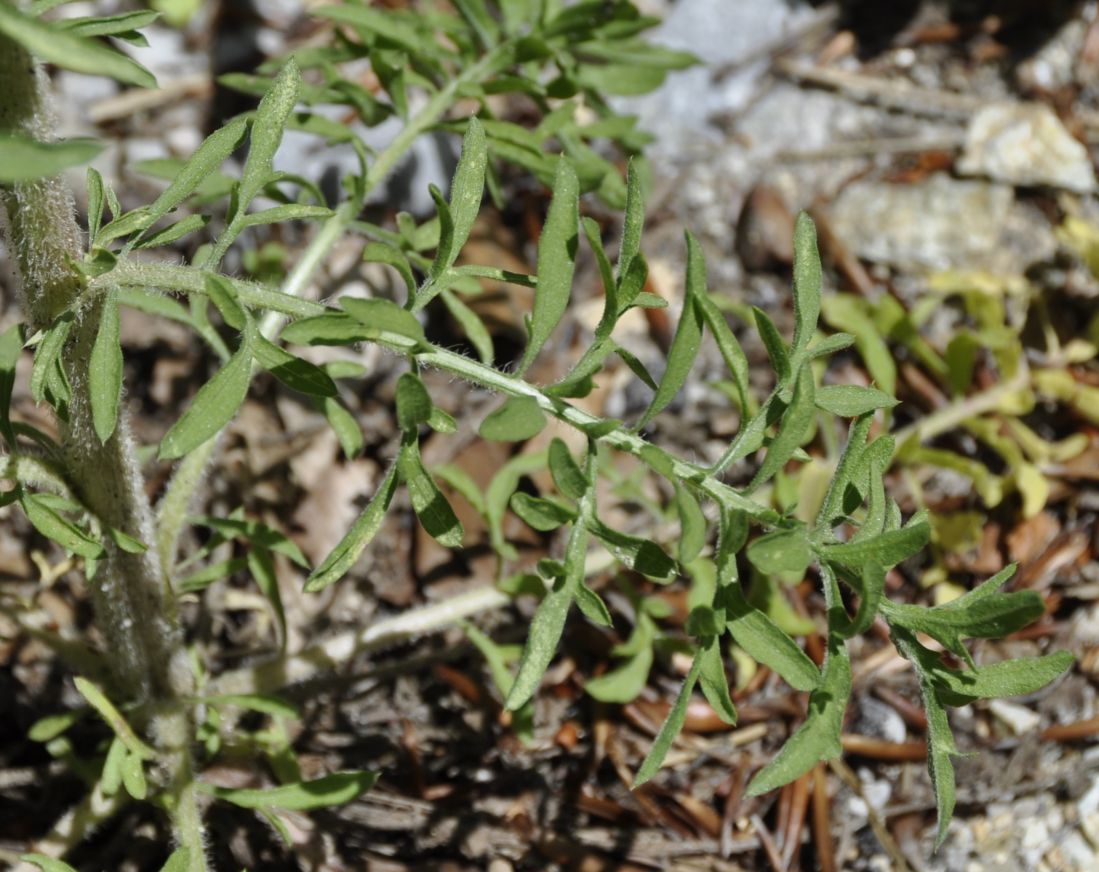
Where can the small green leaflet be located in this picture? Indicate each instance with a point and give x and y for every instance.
(338, 788)
(381, 252)
(109, 25)
(431, 507)
(592, 606)
(286, 212)
(111, 777)
(772, 341)
(48, 355)
(267, 127)
(474, 327)
(715, 684)
(331, 328)
(688, 335)
(51, 525)
(549, 621)
(255, 533)
(758, 635)
(23, 159)
(261, 565)
(52, 726)
(518, 419)
(268, 705)
(796, 424)
(224, 297)
(179, 861)
(375, 21)
(848, 312)
(11, 347)
(624, 683)
(106, 709)
(382, 316)
(940, 738)
(849, 401)
(692, 525)
(780, 552)
(68, 51)
(133, 776)
(413, 402)
(729, 347)
(213, 406)
(46, 864)
(297, 374)
(105, 371)
(556, 260)
(566, 473)
(888, 549)
(671, 727)
(344, 555)
(833, 505)
(540, 513)
(634, 221)
(807, 282)
(641, 555)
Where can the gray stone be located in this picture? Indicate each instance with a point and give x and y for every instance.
(941, 223)
(1026, 144)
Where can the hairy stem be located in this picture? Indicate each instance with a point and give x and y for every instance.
(144, 641)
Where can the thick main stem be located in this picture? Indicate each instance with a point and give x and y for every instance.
(144, 642)
(44, 241)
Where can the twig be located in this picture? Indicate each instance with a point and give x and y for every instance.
(336, 651)
(71, 829)
(877, 823)
(822, 822)
(873, 146)
(887, 93)
(878, 749)
(134, 100)
(947, 418)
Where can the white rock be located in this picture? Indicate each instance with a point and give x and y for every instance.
(1025, 144)
(940, 223)
(1078, 852)
(1018, 718)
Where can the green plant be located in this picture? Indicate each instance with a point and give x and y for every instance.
(84, 490)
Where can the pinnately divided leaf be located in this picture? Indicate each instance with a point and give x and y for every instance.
(556, 260)
(206, 160)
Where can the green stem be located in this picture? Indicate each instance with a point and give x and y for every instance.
(660, 460)
(950, 416)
